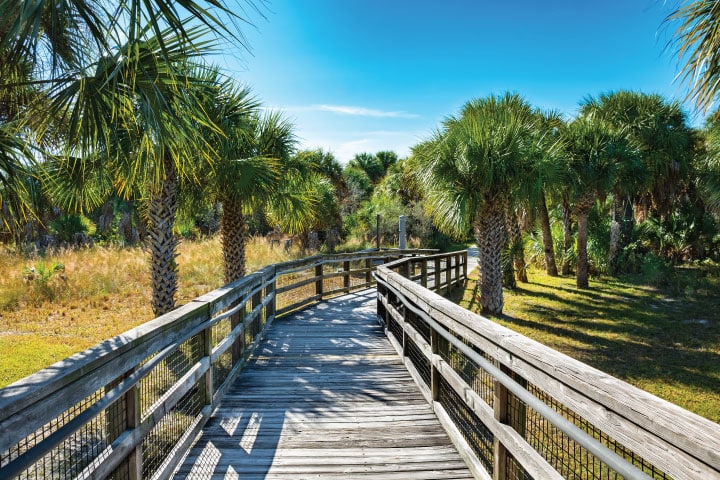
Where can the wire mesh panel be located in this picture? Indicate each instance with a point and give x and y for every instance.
(297, 294)
(476, 377)
(515, 471)
(80, 449)
(158, 383)
(569, 458)
(420, 361)
(164, 437)
(471, 427)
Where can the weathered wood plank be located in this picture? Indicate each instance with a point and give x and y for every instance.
(325, 397)
(671, 438)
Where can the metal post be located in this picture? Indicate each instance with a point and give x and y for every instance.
(401, 238)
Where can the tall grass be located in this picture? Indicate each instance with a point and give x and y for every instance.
(100, 292)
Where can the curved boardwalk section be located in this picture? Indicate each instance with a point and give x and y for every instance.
(326, 396)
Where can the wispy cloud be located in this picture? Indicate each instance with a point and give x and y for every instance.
(363, 112)
(344, 110)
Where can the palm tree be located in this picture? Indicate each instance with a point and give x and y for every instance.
(468, 169)
(63, 31)
(651, 182)
(546, 175)
(132, 121)
(370, 164)
(595, 152)
(697, 44)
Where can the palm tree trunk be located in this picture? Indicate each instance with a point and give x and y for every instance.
(567, 236)
(582, 258)
(490, 233)
(582, 208)
(163, 243)
(233, 234)
(517, 249)
(614, 236)
(548, 246)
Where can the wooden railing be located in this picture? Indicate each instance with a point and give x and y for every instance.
(517, 409)
(130, 406)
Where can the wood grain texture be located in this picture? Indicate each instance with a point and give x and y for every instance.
(678, 442)
(325, 396)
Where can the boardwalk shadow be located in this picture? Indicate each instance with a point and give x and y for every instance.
(294, 394)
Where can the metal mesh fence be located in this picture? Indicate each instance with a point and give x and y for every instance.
(163, 438)
(295, 295)
(564, 454)
(156, 385)
(471, 427)
(72, 455)
(420, 361)
(476, 377)
(515, 471)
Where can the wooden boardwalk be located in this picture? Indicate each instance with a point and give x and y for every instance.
(326, 396)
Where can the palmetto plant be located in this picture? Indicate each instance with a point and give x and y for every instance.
(697, 44)
(651, 181)
(468, 170)
(595, 153)
(130, 123)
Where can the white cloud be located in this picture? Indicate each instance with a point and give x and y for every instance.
(362, 111)
(344, 110)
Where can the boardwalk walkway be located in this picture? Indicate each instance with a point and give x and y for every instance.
(325, 397)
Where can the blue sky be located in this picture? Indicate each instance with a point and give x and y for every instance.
(368, 75)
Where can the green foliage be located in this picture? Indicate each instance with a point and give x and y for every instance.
(370, 164)
(656, 271)
(65, 227)
(44, 279)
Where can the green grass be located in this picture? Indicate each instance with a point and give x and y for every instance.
(100, 292)
(665, 341)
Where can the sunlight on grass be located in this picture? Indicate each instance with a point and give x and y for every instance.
(666, 342)
(100, 293)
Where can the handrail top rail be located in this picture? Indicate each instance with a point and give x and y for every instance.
(45, 382)
(522, 354)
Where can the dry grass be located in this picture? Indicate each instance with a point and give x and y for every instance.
(666, 342)
(101, 292)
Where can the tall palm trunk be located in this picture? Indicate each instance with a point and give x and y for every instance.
(583, 209)
(490, 236)
(548, 246)
(233, 234)
(567, 236)
(614, 235)
(517, 249)
(163, 243)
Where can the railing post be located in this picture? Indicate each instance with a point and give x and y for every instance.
(457, 269)
(208, 387)
(465, 265)
(346, 276)
(434, 374)
(500, 409)
(368, 274)
(319, 280)
(238, 348)
(423, 273)
(438, 275)
(270, 290)
(133, 412)
(255, 301)
(119, 419)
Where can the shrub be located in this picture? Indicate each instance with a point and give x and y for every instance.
(65, 227)
(656, 271)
